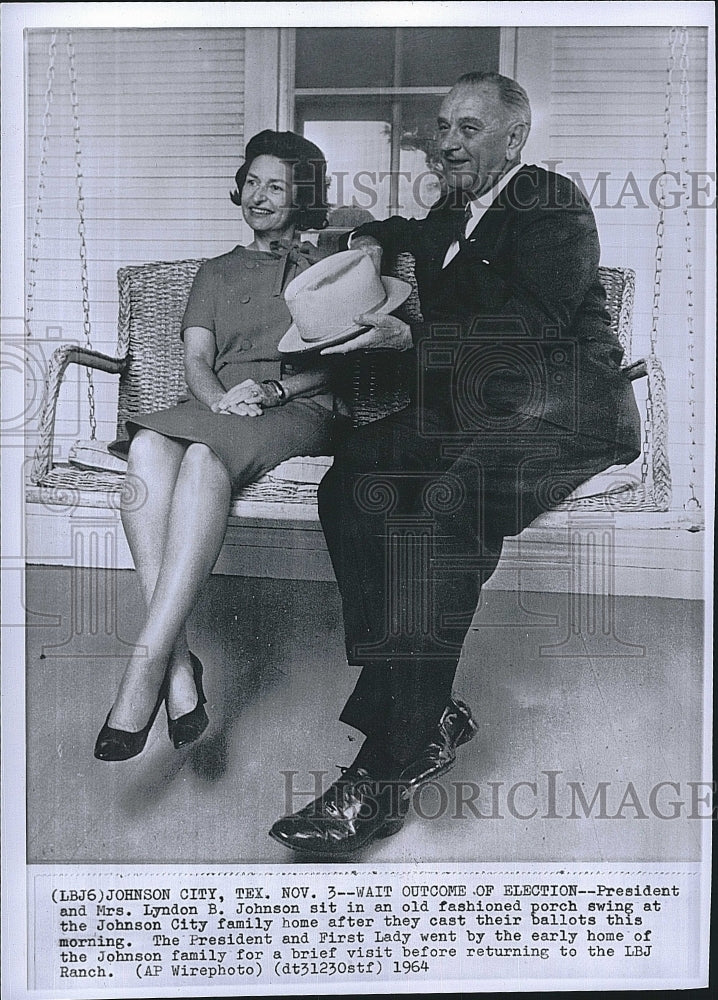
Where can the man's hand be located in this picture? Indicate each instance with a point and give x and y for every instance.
(248, 399)
(386, 332)
(371, 247)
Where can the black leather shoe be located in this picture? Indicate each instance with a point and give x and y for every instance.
(190, 726)
(353, 811)
(121, 744)
(456, 726)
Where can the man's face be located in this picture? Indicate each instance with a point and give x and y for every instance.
(474, 130)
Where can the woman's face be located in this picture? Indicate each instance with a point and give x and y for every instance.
(267, 196)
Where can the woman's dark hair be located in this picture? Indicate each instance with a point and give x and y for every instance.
(309, 173)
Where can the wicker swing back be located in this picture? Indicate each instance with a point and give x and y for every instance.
(149, 361)
(152, 299)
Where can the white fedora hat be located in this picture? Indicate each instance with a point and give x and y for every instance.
(324, 300)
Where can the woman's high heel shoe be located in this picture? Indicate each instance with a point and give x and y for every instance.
(190, 726)
(119, 744)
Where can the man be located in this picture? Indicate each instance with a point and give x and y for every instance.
(518, 398)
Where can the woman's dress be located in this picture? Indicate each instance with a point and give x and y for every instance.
(239, 297)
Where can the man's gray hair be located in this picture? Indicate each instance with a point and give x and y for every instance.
(511, 94)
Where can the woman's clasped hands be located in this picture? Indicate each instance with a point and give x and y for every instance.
(247, 399)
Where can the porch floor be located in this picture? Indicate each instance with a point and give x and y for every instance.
(551, 689)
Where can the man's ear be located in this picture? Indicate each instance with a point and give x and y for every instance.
(516, 139)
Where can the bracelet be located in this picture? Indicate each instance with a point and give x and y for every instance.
(278, 388)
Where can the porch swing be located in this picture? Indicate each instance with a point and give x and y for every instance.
(152, 297)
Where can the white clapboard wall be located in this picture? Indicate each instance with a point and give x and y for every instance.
(161, 115)
(607, 106)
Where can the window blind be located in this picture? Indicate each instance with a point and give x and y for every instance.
(607, 117)
(160, 113)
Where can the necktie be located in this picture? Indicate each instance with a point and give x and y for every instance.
(462, 222)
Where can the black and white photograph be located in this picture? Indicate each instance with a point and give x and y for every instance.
(357, 480)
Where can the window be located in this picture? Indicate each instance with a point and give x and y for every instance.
(369, 98)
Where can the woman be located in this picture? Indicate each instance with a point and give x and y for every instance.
(247, 413)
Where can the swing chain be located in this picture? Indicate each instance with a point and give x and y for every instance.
(81, 228)
(647, 435)
(658, 252)
(678, 40)
(660, 225)
(693, 502)
(44, 146)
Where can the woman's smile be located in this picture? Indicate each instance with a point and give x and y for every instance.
(260, 213)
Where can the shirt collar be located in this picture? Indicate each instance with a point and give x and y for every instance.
(479, 205)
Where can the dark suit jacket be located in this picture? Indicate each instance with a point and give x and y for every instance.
(515, 328)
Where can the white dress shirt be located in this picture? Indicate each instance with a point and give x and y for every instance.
(478, 207)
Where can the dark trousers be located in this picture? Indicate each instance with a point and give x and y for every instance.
(414, 516)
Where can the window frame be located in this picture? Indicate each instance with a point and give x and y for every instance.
(288, 92)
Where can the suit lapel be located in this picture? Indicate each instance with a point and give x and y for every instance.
(439, 231)
(442, 231)
(484, 237)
